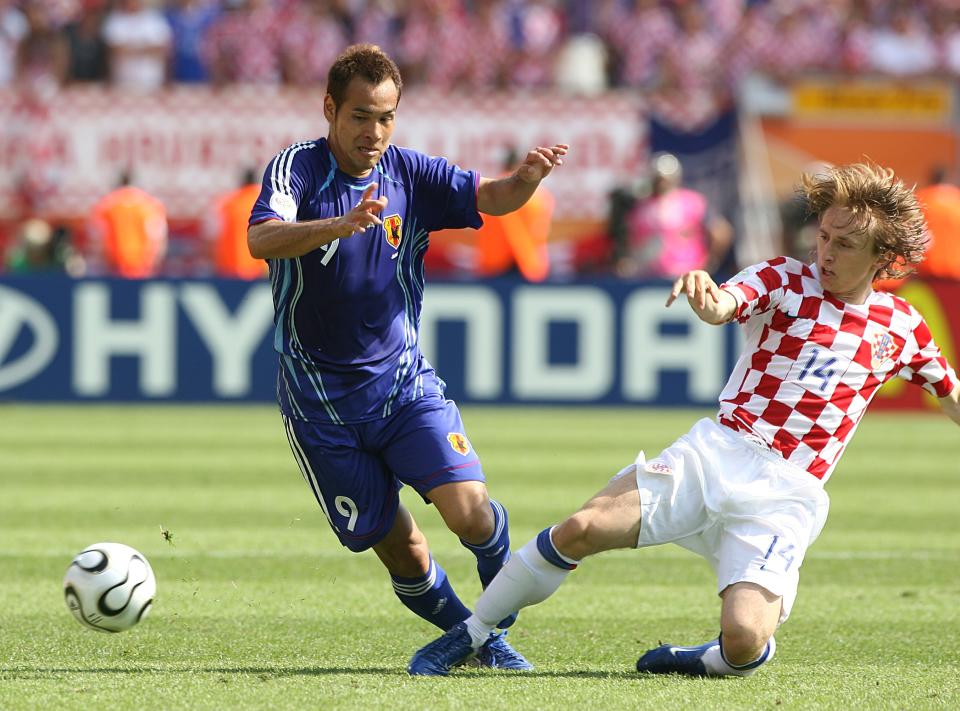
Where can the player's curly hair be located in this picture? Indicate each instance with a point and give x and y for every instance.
(366, 61)
(881, 205)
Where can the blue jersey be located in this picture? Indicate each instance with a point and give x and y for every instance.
(347, 315)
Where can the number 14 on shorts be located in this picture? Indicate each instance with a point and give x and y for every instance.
(779, 555)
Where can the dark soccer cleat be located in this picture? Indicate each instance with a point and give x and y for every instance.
(453, 647)
(670, 659)
(497, 653)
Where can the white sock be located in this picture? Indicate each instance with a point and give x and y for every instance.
(716, 665)
(526, 579)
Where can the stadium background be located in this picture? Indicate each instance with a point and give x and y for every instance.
(746, 94)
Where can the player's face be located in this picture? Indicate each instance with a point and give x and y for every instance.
(361, 126)
(846, 257)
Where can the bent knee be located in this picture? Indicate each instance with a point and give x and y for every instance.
(465, 509)
(581, 535)
(742, 643)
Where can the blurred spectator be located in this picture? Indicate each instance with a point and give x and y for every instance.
(189, 22)
(243, 45)
(903, 47)
(639, 38)
(138, 40)
(431, 49)
(379, 22)
(43, 56)
(696, 50)
(517, 241)
(941, 206)
(692, 88)
(88, 49)
(314, 38)
(128, 229)
(539, 32)
(581, 66)
(226, 232)
(40, 248)
(947, 25)
(802, 39)
(856, 37)
(489, 47)
(672, 230)
(35, 152)
(13, 28)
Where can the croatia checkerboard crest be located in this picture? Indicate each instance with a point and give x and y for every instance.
(881, 349)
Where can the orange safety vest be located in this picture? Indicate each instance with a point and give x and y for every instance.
(133, 225)
(519, 237)
(941, 206)
(231, 253)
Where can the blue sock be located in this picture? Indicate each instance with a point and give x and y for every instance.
(431, 597)
(495, 551)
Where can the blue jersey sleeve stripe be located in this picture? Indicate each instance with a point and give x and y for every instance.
(278, 167)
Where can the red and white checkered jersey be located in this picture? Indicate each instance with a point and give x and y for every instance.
(812, 363)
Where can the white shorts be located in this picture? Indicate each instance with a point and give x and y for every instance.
(734, 502)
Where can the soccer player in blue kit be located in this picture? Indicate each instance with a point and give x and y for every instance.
(343, 223)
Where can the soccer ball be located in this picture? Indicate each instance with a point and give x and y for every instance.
(109, 587)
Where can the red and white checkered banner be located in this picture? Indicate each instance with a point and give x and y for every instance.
(187, 145)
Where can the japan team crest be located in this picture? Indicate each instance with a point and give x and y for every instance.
(882, 349)
(392, 230)
(459, 443)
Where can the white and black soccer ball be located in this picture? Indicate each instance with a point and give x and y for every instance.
(109, 587)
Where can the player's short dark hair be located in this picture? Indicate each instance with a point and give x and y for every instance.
(881, 205)
(366, 61)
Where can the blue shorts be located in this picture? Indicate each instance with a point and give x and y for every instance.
(356, 470)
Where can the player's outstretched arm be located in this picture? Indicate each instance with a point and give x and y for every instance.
(502, 195)
(951, 404)
(275, 239)
(711, 303)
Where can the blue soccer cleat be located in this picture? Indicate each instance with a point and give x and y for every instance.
(670, 659)
(496, 653)
(453, 647)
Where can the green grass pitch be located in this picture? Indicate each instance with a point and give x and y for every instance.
(259, 607)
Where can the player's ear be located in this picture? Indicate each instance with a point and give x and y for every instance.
(329, 108)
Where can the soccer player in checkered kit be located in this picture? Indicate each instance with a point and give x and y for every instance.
(343, 223)
(745, 490)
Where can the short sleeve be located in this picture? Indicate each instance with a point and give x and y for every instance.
(924, 364)
(445, 195)
(757, 288)
(283, 186)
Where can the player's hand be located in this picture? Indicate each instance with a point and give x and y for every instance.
(540, 161)
(698, 286)
(364, 213)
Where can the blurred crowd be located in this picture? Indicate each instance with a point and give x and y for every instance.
(473, 44)
(687, 57)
